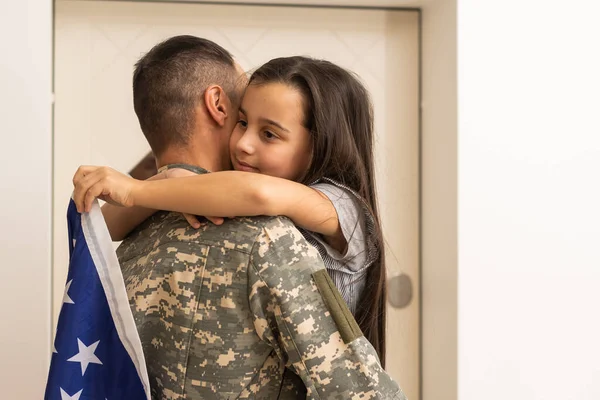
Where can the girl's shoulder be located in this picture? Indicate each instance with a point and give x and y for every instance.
(356, 222)
(336, 192)
(344, 199)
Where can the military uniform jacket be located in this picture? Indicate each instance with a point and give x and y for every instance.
(222, 310)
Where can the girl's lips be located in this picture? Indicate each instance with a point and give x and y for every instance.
(241, 166)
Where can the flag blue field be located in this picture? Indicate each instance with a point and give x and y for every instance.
(97, 353)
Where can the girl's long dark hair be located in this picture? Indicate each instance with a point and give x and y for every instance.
(339, 116)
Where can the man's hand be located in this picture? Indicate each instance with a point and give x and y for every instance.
(104, 183)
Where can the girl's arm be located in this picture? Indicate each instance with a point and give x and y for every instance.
(120, 221)
(237, 193)
(223, 194)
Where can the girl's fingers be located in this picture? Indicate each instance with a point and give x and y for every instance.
(216, 220)
(82, 186)
(91, 194)
(81, 172)
(91, 182)
(192, 220)
(195, 222)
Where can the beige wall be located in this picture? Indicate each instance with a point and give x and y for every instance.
(25, 201)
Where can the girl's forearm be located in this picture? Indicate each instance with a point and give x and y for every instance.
(218, 194)
(120, 220)
(235, 193)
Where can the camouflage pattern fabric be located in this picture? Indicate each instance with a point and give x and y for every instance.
(223, 310)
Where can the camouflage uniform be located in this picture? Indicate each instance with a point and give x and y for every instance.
(222, 310)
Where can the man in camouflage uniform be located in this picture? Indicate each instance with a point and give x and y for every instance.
(223, 310)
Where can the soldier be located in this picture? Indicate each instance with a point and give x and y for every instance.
(224, 309)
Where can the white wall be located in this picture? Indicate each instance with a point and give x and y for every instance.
(25, 201)
(529, 198)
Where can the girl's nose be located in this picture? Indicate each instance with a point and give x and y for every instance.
(246, 143)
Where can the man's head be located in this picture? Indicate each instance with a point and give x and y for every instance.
(186, 92)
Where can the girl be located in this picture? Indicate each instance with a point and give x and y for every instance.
(302, 148)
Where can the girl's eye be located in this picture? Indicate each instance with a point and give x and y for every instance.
(270, 135)
(242, 123)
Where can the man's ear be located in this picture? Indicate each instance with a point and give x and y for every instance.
(217, 104)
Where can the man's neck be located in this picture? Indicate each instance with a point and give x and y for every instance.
(209, 162)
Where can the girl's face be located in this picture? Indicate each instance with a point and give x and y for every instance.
(269, 137)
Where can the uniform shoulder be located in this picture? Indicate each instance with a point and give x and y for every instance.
(171, 228)
(280, 243)
(235, 234)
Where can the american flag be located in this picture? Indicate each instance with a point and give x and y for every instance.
(97, 353)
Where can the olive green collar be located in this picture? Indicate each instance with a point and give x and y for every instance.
(191, 168)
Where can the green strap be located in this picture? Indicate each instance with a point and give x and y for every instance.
(346, 324)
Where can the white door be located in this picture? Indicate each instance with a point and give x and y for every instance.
(97, 44)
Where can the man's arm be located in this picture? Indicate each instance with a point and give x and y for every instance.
(302, 315)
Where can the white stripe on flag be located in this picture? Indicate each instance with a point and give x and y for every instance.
(106, 262)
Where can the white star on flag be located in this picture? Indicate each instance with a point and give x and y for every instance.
(86, 355)
(66, 298)
(54, 349)
(65, 396)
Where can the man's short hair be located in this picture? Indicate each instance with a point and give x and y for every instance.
(169, 82)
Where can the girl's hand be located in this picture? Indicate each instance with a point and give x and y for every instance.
(195, 223)
(104, 183)
(190, 218)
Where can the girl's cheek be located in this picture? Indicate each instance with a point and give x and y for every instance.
(233, 141)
